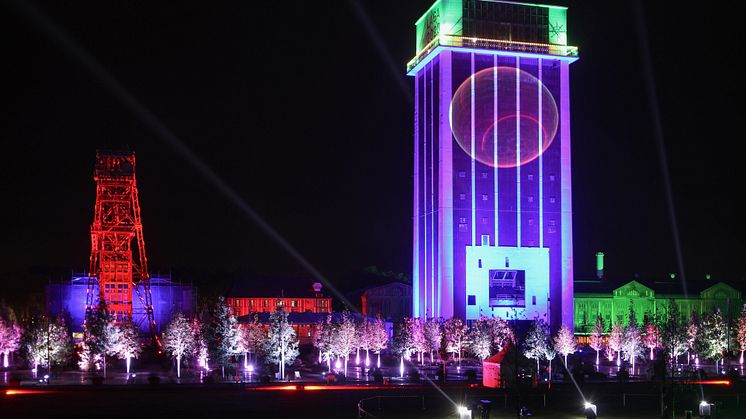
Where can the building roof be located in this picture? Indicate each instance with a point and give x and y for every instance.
(266, 287)
(298, 317)
(663, 288)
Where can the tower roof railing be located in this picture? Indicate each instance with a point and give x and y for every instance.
(492, 44)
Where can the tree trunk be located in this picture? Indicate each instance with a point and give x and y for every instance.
(128, 364)
(596, 359)
(104, 358)
(378, 363)
(565, 361)
(178, 366)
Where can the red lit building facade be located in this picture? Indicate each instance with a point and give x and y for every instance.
(305, 303)
(243, 306)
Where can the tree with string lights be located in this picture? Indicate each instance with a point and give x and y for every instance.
(741, 332)
(652, 335)
(597, 336)
(128, 346)
(565, 343)
(281, 346)
(379, 338)
(454, 332)
(536, 342)
(10, 338)
(433, 336)
(178, 339)
(616, 340)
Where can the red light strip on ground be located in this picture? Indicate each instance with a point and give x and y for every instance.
(712, 382)
(318, 387)
(15, 392)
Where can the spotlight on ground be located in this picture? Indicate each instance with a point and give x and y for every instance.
(463, 412)
(706, 410)
(590, 410)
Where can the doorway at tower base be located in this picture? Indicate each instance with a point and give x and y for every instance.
(507, 282)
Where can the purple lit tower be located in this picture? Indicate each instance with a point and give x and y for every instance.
(492, 191)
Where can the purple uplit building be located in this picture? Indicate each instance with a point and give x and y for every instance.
(492, 191)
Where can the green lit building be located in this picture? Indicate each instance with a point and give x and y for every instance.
(613, 299)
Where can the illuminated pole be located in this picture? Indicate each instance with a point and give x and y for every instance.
(282, 347)
(49, 360)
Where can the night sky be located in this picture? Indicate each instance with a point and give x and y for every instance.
(292, 104)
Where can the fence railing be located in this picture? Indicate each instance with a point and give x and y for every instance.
(363, 408)
(495, 44)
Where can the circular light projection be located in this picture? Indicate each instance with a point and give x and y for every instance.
(518, 131)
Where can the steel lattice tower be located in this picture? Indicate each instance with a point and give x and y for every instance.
(116, 222)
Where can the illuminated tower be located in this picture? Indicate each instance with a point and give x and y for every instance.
(492, 207)
(116, 224)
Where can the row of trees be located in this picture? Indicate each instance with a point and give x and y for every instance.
(103, 337)
(46, 342)
(340, 338)
(706, 336)
(215, 337)
(415, 336)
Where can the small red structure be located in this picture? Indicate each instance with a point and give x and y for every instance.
(116, 223)
(491, 369)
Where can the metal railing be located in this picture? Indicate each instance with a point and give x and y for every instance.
(363, 413)
(494, 44)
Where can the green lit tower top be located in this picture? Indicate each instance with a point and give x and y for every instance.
(493, 24)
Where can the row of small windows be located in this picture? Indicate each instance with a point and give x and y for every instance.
(239, 302)
(551, 227)
(486, 175)
(486, 197)
(116, 288)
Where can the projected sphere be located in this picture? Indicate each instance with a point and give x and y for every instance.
(517, 137)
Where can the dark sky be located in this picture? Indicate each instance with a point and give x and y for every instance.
(293, 106)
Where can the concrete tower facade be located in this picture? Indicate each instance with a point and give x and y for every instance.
(492, 179)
